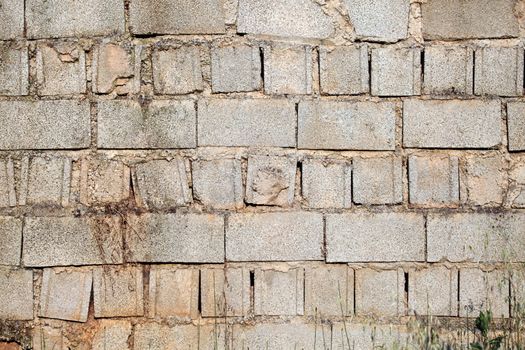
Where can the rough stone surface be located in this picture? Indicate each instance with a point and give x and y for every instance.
(346, 125)
(448, 70)
(14, 68)
(484, 181)
(286, 336)
(396, 72)
(327, 183)
(279, 292)
(288, 70)
(16, 286)
(47, 181)
(479, 291)
(104, 181)
(116, 68)
(451, 124)
(48, 338)
(10, 240)
(377, 180)
(433, 291)
(379, 293)
(12, 19)
(344, 70)
(235, 68)
(516, 125)
(155, 336)
(369, 336)
(112, 335)
(225, 292)
(362, 237)
(279, 236)
(329, 291)
(499, 71)
(177, 71)
(7, 183)
(516, 192)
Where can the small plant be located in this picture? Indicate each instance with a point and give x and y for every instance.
(482, 324)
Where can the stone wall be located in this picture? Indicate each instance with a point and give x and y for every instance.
(249, 174)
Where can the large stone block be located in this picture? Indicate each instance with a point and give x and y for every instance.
(225, 292)
(7, 183)
(288, 70)
(378, 180)
(484, 180)
(396, 71)
(363, 237)
(516, 193)
(235, 68)
(433, 291)
(14, 68)
(379, 292)
(350, 335)
(104, 181)
(448, 70)
(481, 291)
(12, 19)
(344, 70)
(16, 290)
(112, 334)
(116, 68)
(48, 338)
(516, 125)
(154, 336)
(279, 292)
(327, 183)
(10, 240)
(451, 124)
(329, 291)
(177, 71)
(278, 236)
(499, 71)
(347, 125)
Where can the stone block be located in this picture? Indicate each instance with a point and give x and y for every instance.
(369, 336)
(271, 180)
(499, 71)
(161, 124)
(10, 240)
(472, 19)
(481, 291)
(366, 237)
(379, 292)
(516, 125)
(154, 336)
(329, 291)
(225, 292)
(161, 184)
(448, 70)
(433, 291)
(12, 19)
(177, 17)
(7, 183)
(327, 183)
(235, 68)
(48, 338)
(62, 241)
(433, 180)
(58, 124)
(16, 286)
(173, 292)
(177, 71)
(217, 183)
(285, 336)
(288, 70)
(116, 68)
(14, 67)
(72, 18)
(516, 193)
(344, 70)
(378, 180)
(213, 337)
(279, 292)
(383, 20)
(187, 238)
(396, 71)
(246, 122)
(113, 335)
(346, 125)
(451, 124)
(65, 294)
(288, 18)
(277, 236)
(104, 181)
(484, 180)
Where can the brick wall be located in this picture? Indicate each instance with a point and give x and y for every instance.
(238, 174)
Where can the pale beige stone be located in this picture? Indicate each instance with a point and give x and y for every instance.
(14, 68)
(12, 19)
(379, 293)
(7, 183)
(482, 291)
(16, 290)
(154, 336)
(377, 180)
(396, 71)
(516, 125)
(448, 70)
(177, 71)
(484, 181)
(329, 291)
(499, 71)
(279, 292)
(225, 292)
(288, 70)
(327, 183)
(235, 68)
(44, 338)
(112, 335)
(433, 291)
(517, 183)
(344, 70)
(104, 181)
(116, 68)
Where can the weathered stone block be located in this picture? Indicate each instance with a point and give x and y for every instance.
(161, 184)
(499, 71)
(285, 336)
(279, 292)
(12, 19)
(218, 183)
(10, 240)
(177, 17)
(344, 70)
(247, 122)
(196, 238)
(154, 336)
(472, 19)
(16, 290)
(112, 334)
(288, 70)
(383, 20)
(177, 71)
(116, 68)
(379, 293)
(433, 291)
(360, 237)
(104, 181)
(60, 124)
(476, 237)
(173, 292)
(448, 70)
(235, 68)
(61, 241)
(278, 236)
(225, 292)
(14, 67)
(396, 71)
(329, 291)
(327, 183)
(369, 336)
(516, 125)
(451, 124)
(346, 125)
(213, 337)
(59, 18)
(162, 124)
(480, 291)
(289, 18)
(65, 294)
(48, 338)
(516, 192)
(7, 183)
(433, 180)
(484, 180)
(378, 180)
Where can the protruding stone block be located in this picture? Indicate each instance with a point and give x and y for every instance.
(499, 71)
(396, 71)
(279, 292)
(177, 71)
(448, 70)
(235, 68)
(16, 290)
(116, 68)
(379, 293)
(14, 66)
(378, 180)
(288, 70)
(327, 183)
(10, 240)
(344, 70)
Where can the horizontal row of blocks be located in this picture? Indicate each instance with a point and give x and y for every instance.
(321, 291)
(310, 124)
(284, 69)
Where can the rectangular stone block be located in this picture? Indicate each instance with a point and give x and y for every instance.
(104, 181)
(116, 68)
(235, 68)
(59, 124)
(225, 292)
(378, 180)
(177, 71)
(516, 125)
(363, 237)
(499, 71)
(482, 291)
(48, 338)
(448, 70)
(161, 124)
(369, 336)
(279, 292)
(277, 236)
(344, 70)
(112, 334)
(154, 336)
(7, 183)
(187, 238)
(62, 241)
(476, 237)
(249, 122)
(516, 191)
(10, 240)
(329, 291)
(484, 180)
(451, 124)
(12, 19)
(16, 287)
(288, 70)
(472, 19)
(327, 183)
(396, 71)
(14, 67)
(433, 291)
(379, 292)
(59, 18)
(346, 125)
(177, 17)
